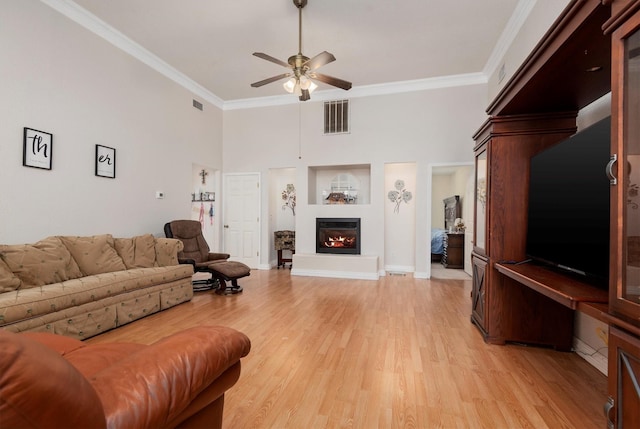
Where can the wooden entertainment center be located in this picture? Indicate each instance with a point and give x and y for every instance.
(592, 49)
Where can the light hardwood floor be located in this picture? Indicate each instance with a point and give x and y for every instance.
(394, 353)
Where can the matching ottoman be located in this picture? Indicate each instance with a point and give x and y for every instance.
(229, 271)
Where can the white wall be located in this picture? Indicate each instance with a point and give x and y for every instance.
(60, 78)
(542, 16)
(424, 127)
(400, 219)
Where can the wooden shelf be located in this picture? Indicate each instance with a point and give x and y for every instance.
(561, 288)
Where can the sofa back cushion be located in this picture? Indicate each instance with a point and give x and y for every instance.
(94, 254)
(167, 250)
(137, 252)
(45, 262)
(8, 280)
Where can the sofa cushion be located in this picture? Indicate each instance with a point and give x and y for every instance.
(45, 262)
(8, 280)
(167, 251)
(137, 252)
(94, 254)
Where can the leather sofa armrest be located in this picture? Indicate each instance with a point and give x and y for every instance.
(40, 389)
(163, 379)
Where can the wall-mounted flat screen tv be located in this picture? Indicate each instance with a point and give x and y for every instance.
(568, 212)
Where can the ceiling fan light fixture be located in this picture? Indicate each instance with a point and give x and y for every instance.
(299, 65)
(289, 85)
(308, 84)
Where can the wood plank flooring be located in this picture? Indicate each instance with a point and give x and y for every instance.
(394, 353)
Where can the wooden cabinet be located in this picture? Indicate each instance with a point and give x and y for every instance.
(478, 301)
(453, 255)
(624, 287)
(504, 146)
(624, 378)
(593, 48)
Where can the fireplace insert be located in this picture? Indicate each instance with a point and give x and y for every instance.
(338, 235)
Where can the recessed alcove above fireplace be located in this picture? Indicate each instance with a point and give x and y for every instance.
(340, 184)
(339, 236)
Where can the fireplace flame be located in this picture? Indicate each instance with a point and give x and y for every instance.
(340, 242)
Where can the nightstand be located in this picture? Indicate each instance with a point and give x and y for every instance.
(453, 256)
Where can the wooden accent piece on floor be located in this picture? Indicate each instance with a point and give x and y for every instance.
(394, 353)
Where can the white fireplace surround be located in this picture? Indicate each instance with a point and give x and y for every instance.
(364, 267)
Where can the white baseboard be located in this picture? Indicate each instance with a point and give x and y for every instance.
(588, 353)
(405, 269)
(335, 274)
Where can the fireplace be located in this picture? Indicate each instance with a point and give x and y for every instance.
(338, 235)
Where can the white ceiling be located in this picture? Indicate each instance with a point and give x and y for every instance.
(375, 42)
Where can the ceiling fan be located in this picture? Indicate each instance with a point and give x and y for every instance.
(303, 69)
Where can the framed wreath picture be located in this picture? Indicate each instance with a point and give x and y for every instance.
(37, 149)
(105, 161)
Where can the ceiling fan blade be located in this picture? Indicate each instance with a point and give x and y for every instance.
(333, 81)
(319, 60)
(272, 59)
(269, 80)
(305, 95)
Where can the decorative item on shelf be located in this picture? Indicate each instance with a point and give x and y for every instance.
(203, 196)
(340, 197)
(399, 195)
(459, 225)
(289, 198)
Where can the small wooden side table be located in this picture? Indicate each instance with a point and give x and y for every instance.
(284, 240)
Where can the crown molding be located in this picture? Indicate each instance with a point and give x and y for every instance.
(92, 23)
(517, 20)
(363, 91)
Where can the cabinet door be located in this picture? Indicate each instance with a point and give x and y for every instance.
(625, 268)
(624, 379)
(478, 292)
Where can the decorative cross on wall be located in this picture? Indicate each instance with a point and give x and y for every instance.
(204, 174)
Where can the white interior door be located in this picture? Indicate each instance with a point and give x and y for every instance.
(241, 217)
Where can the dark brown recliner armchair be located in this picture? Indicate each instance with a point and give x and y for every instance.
(196, 252)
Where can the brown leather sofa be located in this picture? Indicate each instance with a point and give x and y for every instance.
(53, 381)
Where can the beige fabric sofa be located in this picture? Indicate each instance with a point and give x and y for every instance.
(82, 286)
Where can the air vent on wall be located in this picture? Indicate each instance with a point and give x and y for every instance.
(197, 104)
(336, 117)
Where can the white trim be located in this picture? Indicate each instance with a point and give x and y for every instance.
(399, 269)
(363, 91)
(422, 275)
(517, 20)
(588, 353)
(94, 24)
(354, 275)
